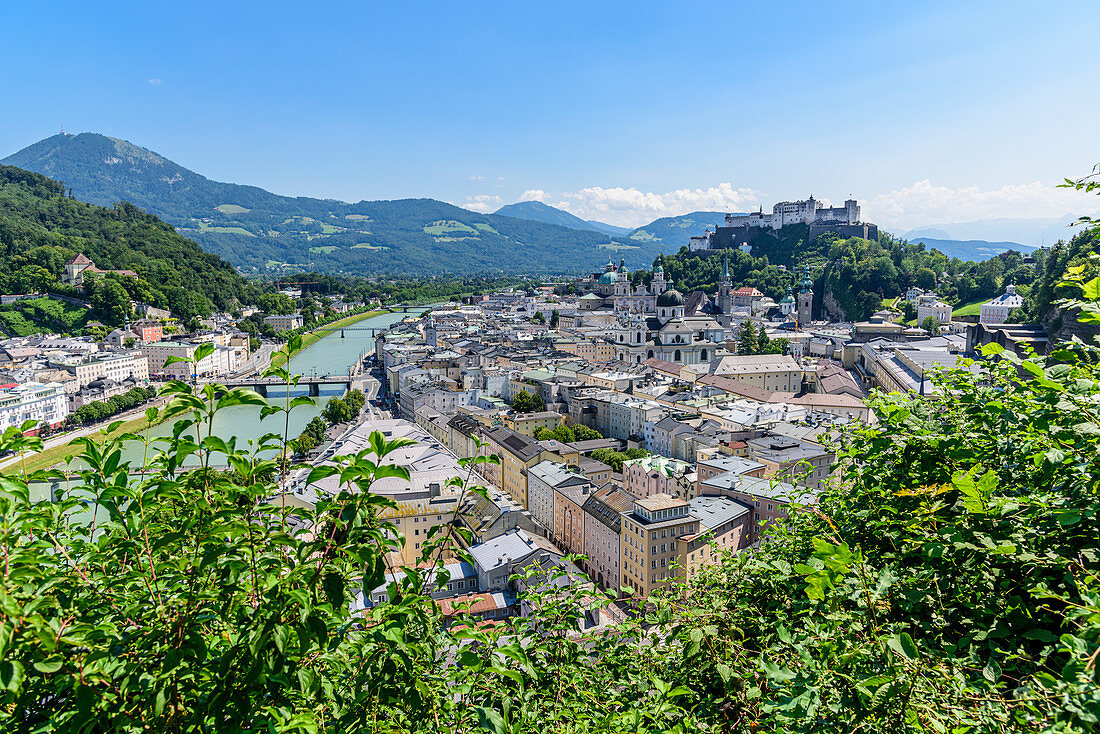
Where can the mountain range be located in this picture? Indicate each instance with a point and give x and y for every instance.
(259, 231)
(536, 211)
(262, 232)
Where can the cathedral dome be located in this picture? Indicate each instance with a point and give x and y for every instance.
(788, 298)
(608, 278)
(670, 298)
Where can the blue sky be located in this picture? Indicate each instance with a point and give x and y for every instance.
(928, 112)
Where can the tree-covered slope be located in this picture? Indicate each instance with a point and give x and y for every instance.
(41, 228)
(265, 232)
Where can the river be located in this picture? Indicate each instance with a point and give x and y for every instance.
(328, 355)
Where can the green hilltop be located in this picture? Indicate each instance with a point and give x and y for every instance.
(41, 228)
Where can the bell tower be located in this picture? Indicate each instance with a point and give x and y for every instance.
(725, 287)
(805, 298)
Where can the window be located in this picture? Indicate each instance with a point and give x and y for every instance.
(676, 356)
(654, 551)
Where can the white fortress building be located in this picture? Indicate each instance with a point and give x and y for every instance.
(744, 230)
(807, 211)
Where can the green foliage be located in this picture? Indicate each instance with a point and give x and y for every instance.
(528, 402)
(747, 343)
(337, 410)
(99, 410)
(555, 319)
(947, 582)
(615, 459)
(931, 324)
(567, 434)
(41, 229)
(39, 315)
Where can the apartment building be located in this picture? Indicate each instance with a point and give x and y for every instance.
(602, 527)
(648, 543)
(769, 499)
(794, 461)
(32, 401)
(542, 479)
(774, 372)
(568, 527)
(117, 367)
(724, 525)
(528, 423)
(284, 322)
(518, 453)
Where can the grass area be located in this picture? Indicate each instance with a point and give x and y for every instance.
(331, 228)
(369, 246)
(224, 230)
(974, 308)
(232, 209)
(642, 235)
(357, 217)
(325, 250)
(454, 239)
(58, 454)
(485, 228)
(448, 226)
(889, 303)
(37, 315)
(617, 246)
(279, 359)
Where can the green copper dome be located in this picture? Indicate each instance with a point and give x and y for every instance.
(609, 278)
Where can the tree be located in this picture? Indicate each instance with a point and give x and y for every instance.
(555, 319)
(111, 302)
(539, 318)
(525, 402)
(129, 342)
(337, 411)
(931, 324)
(780, 345)
(746, 343)
(584, 433)
(926, 279)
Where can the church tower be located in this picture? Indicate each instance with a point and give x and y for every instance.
(805, 299)
(725, 287)
(658, 285)
(786, 306)
(622, 285)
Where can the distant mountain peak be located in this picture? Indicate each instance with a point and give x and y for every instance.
(537, 211)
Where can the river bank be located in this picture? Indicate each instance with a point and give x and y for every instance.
(326, 353)
(279, 358)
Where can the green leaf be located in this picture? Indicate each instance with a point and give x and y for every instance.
(1091, 291)
(333, 584)
(11, 675)
(992, 671)
(490, 720)
(903, 645)
(203, 351)
(991, 349)
(48, 666)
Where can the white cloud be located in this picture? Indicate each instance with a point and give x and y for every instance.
(924, 203)
(483, 203)
(475, 177)
(632, 208)
(156, 82)
(534, 195)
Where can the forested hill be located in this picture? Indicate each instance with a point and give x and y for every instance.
(265, 232)
(41, 228)
(856, 274)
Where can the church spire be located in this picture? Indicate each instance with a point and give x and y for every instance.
(725, 265)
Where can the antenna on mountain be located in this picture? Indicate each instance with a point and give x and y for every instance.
(62, 127)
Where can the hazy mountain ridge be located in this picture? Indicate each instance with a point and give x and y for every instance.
(258, 230)
(536, 211)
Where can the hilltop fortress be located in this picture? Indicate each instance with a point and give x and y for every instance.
(743, 230)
